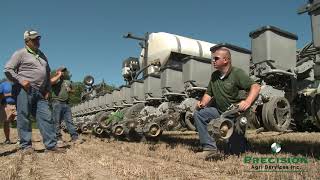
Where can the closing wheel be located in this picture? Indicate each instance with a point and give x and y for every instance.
(152, 130)
(98, 130)
(221, 128)
(278, 114)
(84, 128)
(118, 130)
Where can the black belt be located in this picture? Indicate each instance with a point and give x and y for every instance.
(61, 102)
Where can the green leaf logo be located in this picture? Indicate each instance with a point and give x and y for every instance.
(275, 148)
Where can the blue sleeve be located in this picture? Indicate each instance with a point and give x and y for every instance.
(7, 88)
(1, 88)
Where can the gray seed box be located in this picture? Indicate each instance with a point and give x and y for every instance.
(108, 99)
(137, 90)
(272, 43)
(116, 97)
(198, 70)
(126, 94)
(171, 78)
(152, 85)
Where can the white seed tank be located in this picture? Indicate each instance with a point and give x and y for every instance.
(161, 45)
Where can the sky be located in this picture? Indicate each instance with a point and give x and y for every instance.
(86, 36)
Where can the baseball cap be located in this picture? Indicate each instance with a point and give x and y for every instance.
(31, 34)
(62, 68)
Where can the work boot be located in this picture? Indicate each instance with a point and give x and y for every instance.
(61, 144)
(7, 141)
(208, 154)
(55, 150)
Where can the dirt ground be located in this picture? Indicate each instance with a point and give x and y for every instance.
(171, 158)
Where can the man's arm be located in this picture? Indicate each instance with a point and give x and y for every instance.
(48, 82)
(206, 98)
(253, 94)
(47, 89)
(204, 101)
(10, 69)
(55, 78)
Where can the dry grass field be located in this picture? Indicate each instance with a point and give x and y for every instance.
(171, 158)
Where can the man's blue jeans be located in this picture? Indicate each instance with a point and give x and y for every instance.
(201, 119)
(33, 103)
(62, 111)
(237, 143)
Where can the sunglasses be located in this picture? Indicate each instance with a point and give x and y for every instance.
(216, 58)
(35, 39)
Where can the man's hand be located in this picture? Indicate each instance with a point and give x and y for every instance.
(253, 94)
(46, 95)
(7, 94)
(199, 105)
(59, 73)
(26, 85)
(204, 101)
(244, 105)
(56, 77)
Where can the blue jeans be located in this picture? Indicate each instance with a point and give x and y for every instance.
(237, 143)
(62, 111)
(33, 103)
(201, 119)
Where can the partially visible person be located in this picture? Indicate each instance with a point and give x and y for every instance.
(7, 108)
(29, 69)
(60, 96)
(223, 90)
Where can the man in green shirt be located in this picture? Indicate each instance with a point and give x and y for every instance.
(61, 87)
(223, 90)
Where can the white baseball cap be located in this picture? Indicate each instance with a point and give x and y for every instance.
(31, 34)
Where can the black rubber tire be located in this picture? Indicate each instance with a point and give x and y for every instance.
(189, 122)
(273, 122)
(265, 120)
(253, 119)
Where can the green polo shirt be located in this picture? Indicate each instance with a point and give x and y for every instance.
(60, 90)
(227, 90)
